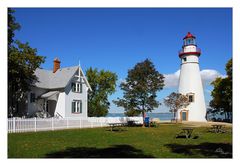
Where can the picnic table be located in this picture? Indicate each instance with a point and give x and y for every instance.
(186, 131)
(131, 122)
(218, 128)
(115, 125)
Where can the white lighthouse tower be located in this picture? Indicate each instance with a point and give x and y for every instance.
(190, 82)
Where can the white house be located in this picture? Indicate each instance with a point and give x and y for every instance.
(61, 92)
(190, 82)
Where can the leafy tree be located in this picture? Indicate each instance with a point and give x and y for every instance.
(228, 69)
(22, 62)
(222, 93)
(212, 114)
(103, 84)
(12, 26)
(131, 112)
(140, 87)
(176, 101)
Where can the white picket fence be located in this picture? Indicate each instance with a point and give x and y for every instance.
(17, 125)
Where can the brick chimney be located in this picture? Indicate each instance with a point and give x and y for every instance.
(56, 65)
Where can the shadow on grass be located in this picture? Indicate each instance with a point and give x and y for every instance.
(184, 137)
(117, 151)
(208, 150)
(117, 130)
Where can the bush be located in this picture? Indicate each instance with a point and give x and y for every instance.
(153, 124)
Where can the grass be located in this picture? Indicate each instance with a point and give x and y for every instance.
(135, 142)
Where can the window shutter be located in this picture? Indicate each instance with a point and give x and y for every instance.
(74, 87)
(32, 97)
(80, 106)
(73, 107)
(80, 87)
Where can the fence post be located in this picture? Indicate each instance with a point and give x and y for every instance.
(14, 125)
(52, 124)
(35, 124)
(67, 123)
(101, 123)
(80, 125)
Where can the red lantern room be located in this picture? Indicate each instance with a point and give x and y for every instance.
(189, 46)
(189, 39)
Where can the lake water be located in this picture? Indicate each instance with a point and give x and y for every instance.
(161, 116)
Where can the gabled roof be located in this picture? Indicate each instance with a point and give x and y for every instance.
(48, 80)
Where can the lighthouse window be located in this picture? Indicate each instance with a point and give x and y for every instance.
(185, 59)
(189, 42)
(191, 98)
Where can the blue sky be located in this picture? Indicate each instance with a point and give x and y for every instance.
(116, 39)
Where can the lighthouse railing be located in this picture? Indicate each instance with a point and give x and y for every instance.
(180, 52)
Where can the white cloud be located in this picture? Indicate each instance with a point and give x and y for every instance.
(208, 75)
(171, 80)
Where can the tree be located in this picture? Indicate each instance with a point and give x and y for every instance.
(176, 101)
(22, 62)
(103, 84)
(12, 26)
(140, 87)
(222, 93)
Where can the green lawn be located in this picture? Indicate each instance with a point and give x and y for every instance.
(135, 142)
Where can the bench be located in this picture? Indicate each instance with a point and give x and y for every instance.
(218, 128)
(116, 126)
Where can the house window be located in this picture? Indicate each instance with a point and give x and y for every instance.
(32, 97)
(77, 106)
(77, 87)
(191, 98)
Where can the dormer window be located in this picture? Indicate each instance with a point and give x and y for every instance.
(77, 87)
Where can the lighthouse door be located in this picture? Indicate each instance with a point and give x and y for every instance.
(184, 115)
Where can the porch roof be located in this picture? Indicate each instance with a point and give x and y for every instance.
(49, 94)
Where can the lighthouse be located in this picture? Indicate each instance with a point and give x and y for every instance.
(190, 82)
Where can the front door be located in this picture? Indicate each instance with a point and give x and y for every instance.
(184, 115)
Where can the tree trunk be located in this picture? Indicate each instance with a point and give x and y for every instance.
(175, 116)
(143, 115)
